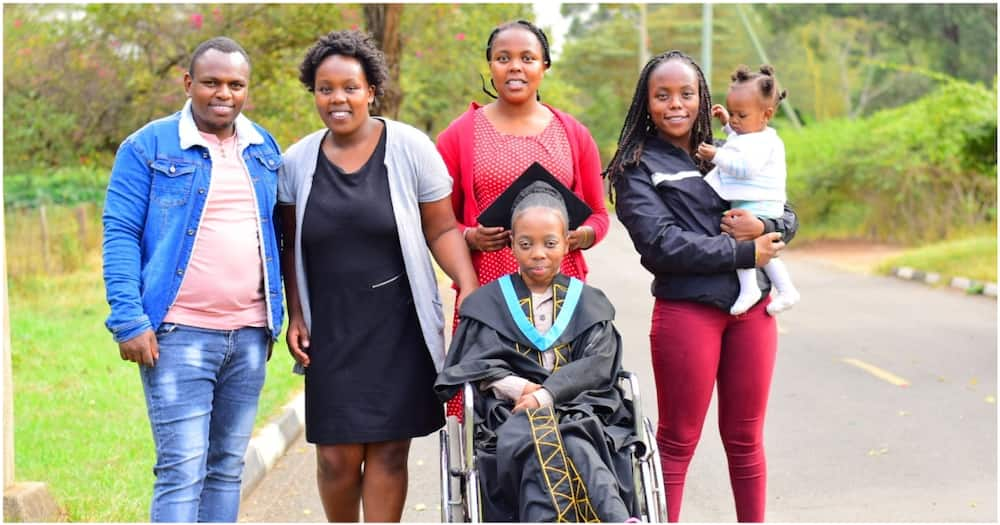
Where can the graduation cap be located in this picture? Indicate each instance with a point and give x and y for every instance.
(499, 213)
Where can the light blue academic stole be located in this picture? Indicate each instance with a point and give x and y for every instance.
(539, 341)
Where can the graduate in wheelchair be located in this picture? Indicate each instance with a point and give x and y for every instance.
(554, 439)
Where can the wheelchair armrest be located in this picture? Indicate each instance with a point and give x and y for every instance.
(630, 382)
(468, 424)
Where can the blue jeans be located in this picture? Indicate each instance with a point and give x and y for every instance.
(202, 400)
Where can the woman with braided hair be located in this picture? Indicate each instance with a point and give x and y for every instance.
(490, 145)
(672, 216)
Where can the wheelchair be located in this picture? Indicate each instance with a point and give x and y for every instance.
(460, 477)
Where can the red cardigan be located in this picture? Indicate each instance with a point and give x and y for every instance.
(456, 145)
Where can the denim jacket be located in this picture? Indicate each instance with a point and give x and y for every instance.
(155, 200)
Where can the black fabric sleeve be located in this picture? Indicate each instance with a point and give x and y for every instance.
(746, 254)
(787, 224)
(662, 245)
(476, 354)
(596, 368)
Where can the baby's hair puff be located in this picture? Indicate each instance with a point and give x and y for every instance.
(763, 79)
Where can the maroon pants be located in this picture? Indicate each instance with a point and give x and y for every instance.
(695, 346)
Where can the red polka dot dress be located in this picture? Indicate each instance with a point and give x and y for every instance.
(498, 160)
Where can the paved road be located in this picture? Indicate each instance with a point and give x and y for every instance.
(844, 441)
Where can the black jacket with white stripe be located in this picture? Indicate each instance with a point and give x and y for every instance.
(674, 223)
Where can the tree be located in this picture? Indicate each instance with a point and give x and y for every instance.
(599, 57)
(384, 23)
(98, 72)
(443, 64)
(877, 48)
(95, 73)
(956, 39)
(79, 78)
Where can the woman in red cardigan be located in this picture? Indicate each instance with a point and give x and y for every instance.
(489, 146)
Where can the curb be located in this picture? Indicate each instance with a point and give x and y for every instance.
(964, 284)
(271, 442)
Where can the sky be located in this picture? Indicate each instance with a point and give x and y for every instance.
(547, 16)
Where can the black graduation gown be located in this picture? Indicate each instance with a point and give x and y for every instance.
(568, 462)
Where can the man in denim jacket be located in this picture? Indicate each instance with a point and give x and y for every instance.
(192, 278)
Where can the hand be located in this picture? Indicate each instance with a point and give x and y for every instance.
(720, 113)
(706, 151)
(487, 239)
(581, 238)
(767, 247)
(525, 402)
(742, 225)
(141, 349)
(530, 388)
(297, 338)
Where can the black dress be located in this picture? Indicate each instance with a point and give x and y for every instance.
(370, 376)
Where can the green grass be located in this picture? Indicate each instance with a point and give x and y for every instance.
(973, 257)
(79, 414)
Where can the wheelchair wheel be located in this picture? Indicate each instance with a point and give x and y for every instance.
(655, 508)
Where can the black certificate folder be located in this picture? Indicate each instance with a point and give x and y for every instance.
(498, 213)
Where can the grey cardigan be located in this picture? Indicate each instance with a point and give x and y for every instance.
(416, 174)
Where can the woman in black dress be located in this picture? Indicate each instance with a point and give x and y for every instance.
(363, 200)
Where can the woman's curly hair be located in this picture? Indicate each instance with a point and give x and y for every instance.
(354, 44)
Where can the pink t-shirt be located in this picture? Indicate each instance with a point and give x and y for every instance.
(223, 287)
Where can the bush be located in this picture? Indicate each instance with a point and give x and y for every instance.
(922, 172)
(61, 186)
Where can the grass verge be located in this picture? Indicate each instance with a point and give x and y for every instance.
(973, 257)
(79, 413)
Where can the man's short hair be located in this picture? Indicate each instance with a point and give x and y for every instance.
(219, 43)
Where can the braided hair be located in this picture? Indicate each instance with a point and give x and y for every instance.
(539, 194)
(522, 24)
(639, 125)
(764, 81)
